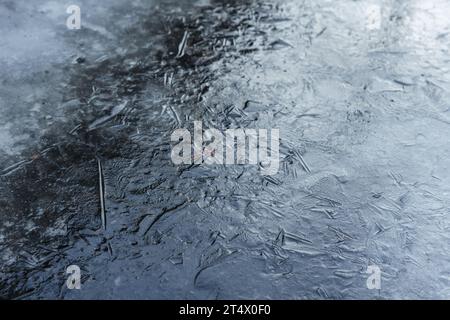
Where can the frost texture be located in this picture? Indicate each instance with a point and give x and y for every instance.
(358, 89)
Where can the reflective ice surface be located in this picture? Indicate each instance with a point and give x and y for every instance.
(358, 89)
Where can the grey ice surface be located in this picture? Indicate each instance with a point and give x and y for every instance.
(359, 90)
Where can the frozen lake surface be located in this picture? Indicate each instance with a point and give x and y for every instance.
(358, 89)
